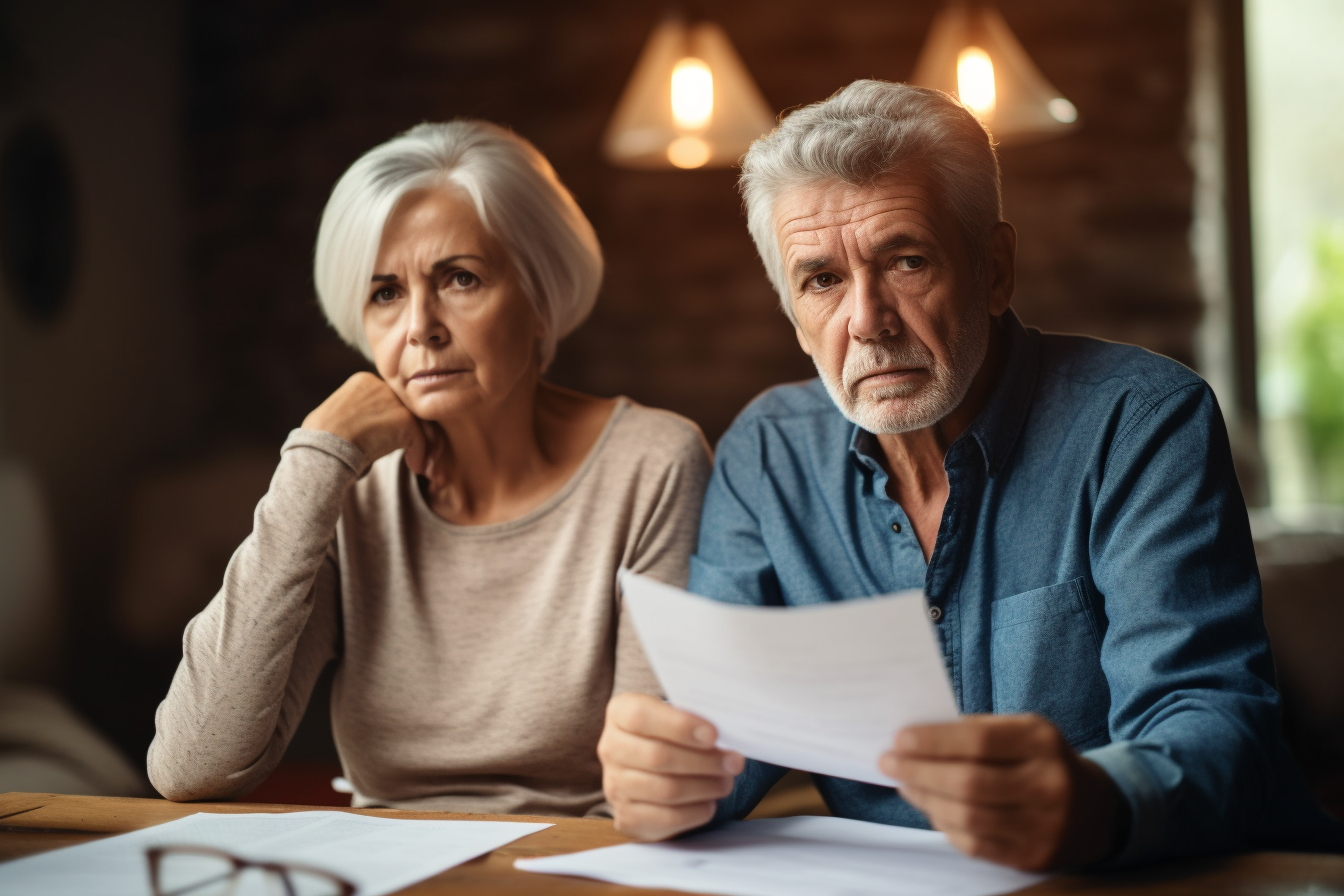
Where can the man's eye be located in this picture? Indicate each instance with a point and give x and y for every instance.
(823, 281)
(911, 262)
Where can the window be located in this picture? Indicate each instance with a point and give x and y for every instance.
(1295, 81)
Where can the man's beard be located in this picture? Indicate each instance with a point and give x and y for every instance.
(903, 407)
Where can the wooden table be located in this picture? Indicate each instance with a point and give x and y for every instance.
(36, 822)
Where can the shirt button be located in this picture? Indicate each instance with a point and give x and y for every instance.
(935, 613)
(896, 527)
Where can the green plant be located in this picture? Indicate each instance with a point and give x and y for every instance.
(1319, 359)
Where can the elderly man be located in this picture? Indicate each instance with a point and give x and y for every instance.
(1067, 505)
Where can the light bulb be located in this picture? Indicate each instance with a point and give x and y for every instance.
(690, 102)
(692, 95)
(975, 80)
(688, 152)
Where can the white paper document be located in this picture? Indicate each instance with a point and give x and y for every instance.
(805, 856)
(820, 688)
(377, 855)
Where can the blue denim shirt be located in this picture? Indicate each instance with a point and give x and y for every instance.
(1094, 564)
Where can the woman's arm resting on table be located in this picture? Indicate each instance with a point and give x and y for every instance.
(251, 658)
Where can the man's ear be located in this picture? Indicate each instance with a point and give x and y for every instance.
(1002, 267)
(802, 340)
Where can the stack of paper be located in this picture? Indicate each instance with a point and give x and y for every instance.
(795, 857)
(377, 855)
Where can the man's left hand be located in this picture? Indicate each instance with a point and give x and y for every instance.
(1009, 789)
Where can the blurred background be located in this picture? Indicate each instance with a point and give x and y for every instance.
(164, 163)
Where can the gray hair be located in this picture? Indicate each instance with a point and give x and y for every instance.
(517, 195)
(859, 134)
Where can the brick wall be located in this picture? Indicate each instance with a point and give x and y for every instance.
(281, 97)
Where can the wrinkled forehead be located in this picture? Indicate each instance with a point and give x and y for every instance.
(811, 214)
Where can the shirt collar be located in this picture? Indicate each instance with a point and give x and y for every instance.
(1000, 423)
(997, 427)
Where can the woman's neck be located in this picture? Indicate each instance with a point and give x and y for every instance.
(502, 461)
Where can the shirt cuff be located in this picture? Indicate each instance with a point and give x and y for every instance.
(347, 453)
(1144, 795)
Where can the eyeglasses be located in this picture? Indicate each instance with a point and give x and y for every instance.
(201, 871)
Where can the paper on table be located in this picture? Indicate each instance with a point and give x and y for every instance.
(805, 856)
(377, 855)
(819, 688)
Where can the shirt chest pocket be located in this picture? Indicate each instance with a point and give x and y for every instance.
(1045, 658)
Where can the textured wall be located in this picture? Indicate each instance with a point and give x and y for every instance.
(281, 97)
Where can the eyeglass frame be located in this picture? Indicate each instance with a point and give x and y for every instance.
(154, 855)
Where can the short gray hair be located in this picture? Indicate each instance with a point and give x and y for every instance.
(859, 134)
(519, 198)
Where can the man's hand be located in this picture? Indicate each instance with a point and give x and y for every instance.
(1009, 789)
(366, 412)
(660, 769)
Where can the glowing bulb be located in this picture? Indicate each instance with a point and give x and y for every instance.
(688, 152)
(692, 95)
(975, 80)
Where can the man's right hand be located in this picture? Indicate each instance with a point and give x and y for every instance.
(366, 412)
(660, 769)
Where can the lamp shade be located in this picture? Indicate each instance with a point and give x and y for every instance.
(690, 103)
(971, 54)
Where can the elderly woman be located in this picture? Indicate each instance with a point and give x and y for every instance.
(447, 532)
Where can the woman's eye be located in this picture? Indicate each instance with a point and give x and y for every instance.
(463, 279)
(911, 262)
(384, 294)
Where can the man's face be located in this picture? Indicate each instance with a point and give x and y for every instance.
(885, 299)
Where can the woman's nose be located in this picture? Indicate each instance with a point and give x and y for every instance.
(426, 326)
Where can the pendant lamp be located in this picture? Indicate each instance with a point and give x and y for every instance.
(971, 54)
(690, 103)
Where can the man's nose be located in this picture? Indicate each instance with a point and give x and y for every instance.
(873, 314)
(426, 326)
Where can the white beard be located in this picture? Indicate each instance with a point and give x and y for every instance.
(904, 407)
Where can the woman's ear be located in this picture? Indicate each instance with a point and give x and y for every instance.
(540, 332)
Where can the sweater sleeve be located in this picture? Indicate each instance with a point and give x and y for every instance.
(250, 659)
(663, 550)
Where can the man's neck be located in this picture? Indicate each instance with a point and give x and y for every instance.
(917, 479)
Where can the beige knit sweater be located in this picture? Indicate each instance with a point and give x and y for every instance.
(474, 663)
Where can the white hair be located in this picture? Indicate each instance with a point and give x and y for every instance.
(862, 132)
(520, 201)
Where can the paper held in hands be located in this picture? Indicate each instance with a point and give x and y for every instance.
(820, 688)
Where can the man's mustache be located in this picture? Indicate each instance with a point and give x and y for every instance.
(866, 360)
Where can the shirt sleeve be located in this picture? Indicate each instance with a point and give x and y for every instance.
(731, 564)
(1194, 716)
(250, 659)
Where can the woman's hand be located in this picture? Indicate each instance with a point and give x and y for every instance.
(366, 412)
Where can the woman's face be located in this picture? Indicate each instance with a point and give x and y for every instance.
(450, 327)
